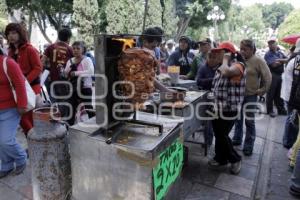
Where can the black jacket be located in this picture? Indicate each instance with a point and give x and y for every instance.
(184, 60)
(294, 100)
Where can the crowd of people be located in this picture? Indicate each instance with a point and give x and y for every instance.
(20, 61)
(248, 79)
(236, 78)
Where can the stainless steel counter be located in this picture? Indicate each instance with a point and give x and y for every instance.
(123, 169)
(190, 110)
(189, 84)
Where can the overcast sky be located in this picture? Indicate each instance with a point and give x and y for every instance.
(295, 3)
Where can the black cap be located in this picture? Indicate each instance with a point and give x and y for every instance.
(272, 40)
(186, 38)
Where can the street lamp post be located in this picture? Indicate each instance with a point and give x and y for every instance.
(215, 15)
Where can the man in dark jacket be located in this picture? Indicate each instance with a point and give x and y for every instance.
(205, 76)
(207, 70)
(275, 60)
(182, 57)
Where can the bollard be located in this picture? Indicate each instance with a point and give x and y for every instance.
(49, 156)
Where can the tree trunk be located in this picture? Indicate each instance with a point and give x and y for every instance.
(182, 26)
(145, 15)
(13, 18)
(43, 31)
(30, 20)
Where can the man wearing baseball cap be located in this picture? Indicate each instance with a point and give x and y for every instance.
(199, 59)
(275, 60)
(228, 46)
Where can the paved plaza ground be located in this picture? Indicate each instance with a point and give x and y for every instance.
(264, 175)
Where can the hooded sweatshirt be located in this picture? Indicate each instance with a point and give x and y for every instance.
(181, 58)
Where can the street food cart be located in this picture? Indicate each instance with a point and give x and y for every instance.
(138, 157)
(192, 111)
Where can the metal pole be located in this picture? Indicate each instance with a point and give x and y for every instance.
(216, 30)
(145, 15)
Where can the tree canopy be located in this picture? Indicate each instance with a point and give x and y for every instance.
(240, 23)
(290, 25)
(55, 12)
(86, 18)
(193, 13)
(3, 15)
(274, 14)
(126, 16)
(200, 18)
(174, 16)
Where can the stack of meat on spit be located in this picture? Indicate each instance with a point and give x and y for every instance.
(137, 66)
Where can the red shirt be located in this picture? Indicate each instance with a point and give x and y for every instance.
(58, 53)
(29, 61)
(6, 96)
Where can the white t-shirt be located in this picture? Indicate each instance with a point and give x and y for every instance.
(287, 79)
(84, 69)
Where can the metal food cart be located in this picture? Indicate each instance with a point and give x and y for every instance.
(139, 158)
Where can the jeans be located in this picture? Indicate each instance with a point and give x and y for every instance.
(75, 100)
(223, 148)
(290, 131)
(273, 95)
(249, 111)
(10, 151)
(60, 90)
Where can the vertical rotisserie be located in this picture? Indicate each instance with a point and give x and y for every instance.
(137, 66)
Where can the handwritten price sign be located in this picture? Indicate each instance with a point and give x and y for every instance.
(168, 169)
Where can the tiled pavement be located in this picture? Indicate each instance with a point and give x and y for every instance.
(201, 183)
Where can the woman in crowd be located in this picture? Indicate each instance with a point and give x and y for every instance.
(80, 67)
(29, 61)
(228, 88)
(10, 111)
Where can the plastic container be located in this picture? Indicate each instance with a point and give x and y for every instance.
(174, 72)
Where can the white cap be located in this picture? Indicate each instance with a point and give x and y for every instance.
(171, 41)
(272, 39)
(297, 49)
